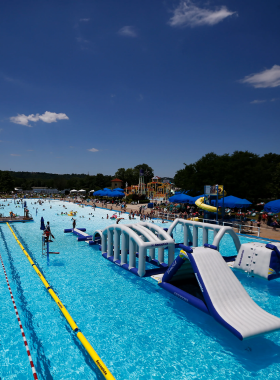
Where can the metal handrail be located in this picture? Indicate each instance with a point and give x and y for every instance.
(238, 226)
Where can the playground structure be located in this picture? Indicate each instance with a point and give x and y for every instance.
(158, 190)
(200, 275)
(153, 190)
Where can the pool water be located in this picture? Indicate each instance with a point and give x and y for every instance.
(138, 329)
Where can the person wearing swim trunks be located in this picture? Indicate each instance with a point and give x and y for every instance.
(48, 232)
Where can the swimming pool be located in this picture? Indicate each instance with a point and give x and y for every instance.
(139, 330)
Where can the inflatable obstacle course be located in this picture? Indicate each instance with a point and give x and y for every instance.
(123, 244)
(201, 277)
(259, 259)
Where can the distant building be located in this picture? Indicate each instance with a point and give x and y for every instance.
(116, 183)
(44, 190)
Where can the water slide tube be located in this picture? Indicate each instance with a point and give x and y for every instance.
(199, 203)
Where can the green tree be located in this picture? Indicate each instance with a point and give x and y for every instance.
(6, 182)
(243, 174)
(148, 172)
(131, 176)
(275, 183)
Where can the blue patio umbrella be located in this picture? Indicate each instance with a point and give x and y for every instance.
(232, 202)
(273, 206)
(118, 189)
(117, 194)
(99, 193)
(181, 198)
(108, 193)
(42, 224)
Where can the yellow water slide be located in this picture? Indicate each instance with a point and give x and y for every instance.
(199, 202)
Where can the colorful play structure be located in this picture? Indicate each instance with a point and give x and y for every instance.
(156, 189)
(199, 275)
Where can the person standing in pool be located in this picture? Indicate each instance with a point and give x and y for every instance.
(48, 232)
(74, 223)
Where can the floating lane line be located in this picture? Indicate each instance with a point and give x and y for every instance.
(20, 325)
(101, 366)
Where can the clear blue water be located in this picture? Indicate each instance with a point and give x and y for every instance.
(139, 330)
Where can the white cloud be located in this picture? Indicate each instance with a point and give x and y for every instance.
(52, 117)
(47, 117)
(188, 14)
(266, 78)
(93, 150)
(127, 31)
(84, 19)
(258, 101)
(15, 155)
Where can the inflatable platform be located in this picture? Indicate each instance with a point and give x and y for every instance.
(259, 259)
(201, 277)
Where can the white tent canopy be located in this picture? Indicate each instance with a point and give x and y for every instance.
(82, 191)
(73, 191)
(92, 191)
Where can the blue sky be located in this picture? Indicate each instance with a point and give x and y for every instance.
(92, 86)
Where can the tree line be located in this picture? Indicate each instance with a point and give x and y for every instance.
(26, 180)
(243, 174)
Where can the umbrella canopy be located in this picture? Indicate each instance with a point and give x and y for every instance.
(273, 206)
(118, 189)
(91, 191)
(99, 193)
(106, 189)
(108, 193)
(232, 202)
(181, 198)
(73, 191)
(42, 224)
(118, 194)
(82, 191)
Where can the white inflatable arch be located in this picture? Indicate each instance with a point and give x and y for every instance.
(132, 238)
(189, 236)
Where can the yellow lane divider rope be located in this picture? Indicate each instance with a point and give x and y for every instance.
(102, 367)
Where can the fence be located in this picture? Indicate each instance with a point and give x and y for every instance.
(240, 227)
